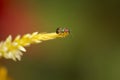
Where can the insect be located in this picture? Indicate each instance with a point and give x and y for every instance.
(62, 30)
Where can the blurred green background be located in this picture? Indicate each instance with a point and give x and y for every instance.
(91, 52)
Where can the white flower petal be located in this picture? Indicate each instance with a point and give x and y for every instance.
(35, 33)
(18, 57)
(17, 38)
(19, 53)
(15, 43)
(10, 55)
(27, 36)
(14, 58)
(27, 44)
(38, 41)
(22, 48)
(9, 39)
(5, 48)
(6, 55)
(1, 43)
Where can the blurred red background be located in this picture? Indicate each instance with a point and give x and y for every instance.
(14, 19)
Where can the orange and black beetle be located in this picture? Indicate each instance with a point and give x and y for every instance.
(64, 30)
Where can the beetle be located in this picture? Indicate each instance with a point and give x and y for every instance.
(62, 30)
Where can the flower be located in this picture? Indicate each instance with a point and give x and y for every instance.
(4, 74)
(13, 49)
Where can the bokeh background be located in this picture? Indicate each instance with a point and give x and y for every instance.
(91, 52)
